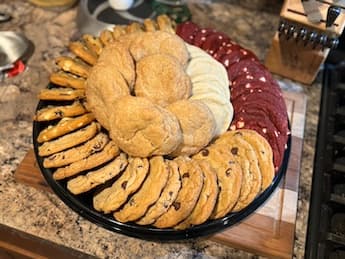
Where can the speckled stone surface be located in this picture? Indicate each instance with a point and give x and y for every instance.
(43, 214)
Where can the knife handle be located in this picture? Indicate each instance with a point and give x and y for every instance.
(309, 36)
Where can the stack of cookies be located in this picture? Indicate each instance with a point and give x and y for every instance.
(147, 123)
(255, 94)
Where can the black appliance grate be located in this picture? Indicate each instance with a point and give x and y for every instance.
(326, 223)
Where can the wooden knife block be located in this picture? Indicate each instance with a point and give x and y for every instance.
(293, 60)
(297, 58)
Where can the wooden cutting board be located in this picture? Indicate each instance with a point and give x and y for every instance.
(269, 230)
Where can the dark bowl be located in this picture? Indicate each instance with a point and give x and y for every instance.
(82, 204)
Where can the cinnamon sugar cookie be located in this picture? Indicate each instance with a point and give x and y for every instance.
(142, 129)
(104, 85)
(149, 43)
(197, 125)
(117, 56)
(161, 79)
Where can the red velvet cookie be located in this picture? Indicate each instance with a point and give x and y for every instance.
(226, 49)
(272, 101)
(258, 85)
(201, 36)
(214, 41)
(266, 119)
(248, 66)
(281, 129)
(187, 31)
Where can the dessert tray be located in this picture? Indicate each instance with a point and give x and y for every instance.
(252, 142)
(82, 204)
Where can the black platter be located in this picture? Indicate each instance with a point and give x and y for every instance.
(82, 204)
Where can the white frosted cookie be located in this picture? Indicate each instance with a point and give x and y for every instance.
(210, 85)
(222, 111)
(203, 67)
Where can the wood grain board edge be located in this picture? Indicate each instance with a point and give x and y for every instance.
(29, 173)
(20, 245)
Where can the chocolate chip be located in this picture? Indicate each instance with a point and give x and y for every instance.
(171, 193)
(185, 175)
(166, 205)
(176, 205)
(234, 150)
(59, 113)
(228, 172)
(97, 146)
(124, 184)
(131, 202)
(205, 152)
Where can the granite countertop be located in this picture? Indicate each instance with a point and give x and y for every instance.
(40, 213)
